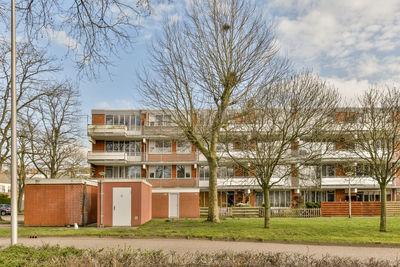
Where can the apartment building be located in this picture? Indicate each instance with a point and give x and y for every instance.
(144, 144)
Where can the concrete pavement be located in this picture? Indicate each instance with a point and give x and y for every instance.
(183, 245)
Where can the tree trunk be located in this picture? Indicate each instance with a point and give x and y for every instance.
(382, 227)
(267, 208)
(20, 196)
(213, 215)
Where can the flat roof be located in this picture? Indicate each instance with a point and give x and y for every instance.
(123, 180)
(60, 181)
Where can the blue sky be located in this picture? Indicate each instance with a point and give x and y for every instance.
(352, 44)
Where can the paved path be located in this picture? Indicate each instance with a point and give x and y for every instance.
(183, 245)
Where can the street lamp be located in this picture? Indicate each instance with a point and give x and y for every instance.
(349, 175)
(14, 214)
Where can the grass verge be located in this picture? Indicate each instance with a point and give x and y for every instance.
(312, 230)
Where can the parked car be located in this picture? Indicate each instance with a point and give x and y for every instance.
(5, 209)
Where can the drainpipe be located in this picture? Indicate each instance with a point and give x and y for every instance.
(101, 204)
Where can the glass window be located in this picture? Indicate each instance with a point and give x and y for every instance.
(159, 146)
(116, 146)
(331, 196)
(160, 172)
(109, 119)
(121, 119)
(204, 173)
(167, 147)
(133, 121)
(159, 120)
(183, 147)
(167, 172)
(121, 146)
(115, 119)
(109, 146)
(183, 171)
(109, 172)
(138, 120)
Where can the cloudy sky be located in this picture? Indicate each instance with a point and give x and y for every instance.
(351, 44)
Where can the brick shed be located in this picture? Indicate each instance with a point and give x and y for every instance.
(123, 202)
(60, 202)
(176, 203)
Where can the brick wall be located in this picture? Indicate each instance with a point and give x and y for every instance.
(57, 205)
(98, 119)
(189, 205)
(99, 146)
(160, 203)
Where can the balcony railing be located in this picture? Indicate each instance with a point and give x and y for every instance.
(113, 130)
(142, 157)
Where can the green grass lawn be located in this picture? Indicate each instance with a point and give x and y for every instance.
(310, 230)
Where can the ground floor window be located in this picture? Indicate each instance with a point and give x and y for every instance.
(373, 195)
(279, 199)
(123, 172)
(318, 196)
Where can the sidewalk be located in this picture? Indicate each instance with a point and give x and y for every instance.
(183, 245)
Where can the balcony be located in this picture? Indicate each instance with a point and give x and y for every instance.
(106, 157)
(112, 131)
(343, 182)
(241, 182)
(166, 130)
(141, 157)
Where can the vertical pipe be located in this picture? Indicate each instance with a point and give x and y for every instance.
(101, 203)
(14, 214)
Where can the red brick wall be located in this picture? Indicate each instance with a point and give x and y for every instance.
(172, 182)
(98, 119)
(160, 203)
(189, 205)
(99, 146)
(98, 170)
(56, 205)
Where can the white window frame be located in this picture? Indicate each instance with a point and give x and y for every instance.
(162, 147)
(183, 147)
(187, 171)
(163, 168)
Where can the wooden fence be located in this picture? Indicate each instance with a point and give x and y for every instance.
(253, 212)
(332, 209)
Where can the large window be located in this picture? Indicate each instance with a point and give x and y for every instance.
(204, 173)
(183, 171)
(160, 120)
(131, 121)
(160, 147)
(318, 196)
(183, 147)
(133, 148)
(225, 172)
(123, 172)
(160, 172)
(363, 170)
(327, 170)
(280, 199)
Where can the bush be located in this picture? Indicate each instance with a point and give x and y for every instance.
(56, 256)
(4, 199)
(313, 205)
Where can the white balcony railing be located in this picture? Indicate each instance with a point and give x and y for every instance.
(106, 156)
(113, 130)
(344, 181)
(141, 157)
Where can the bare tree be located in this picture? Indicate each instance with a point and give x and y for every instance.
(204, 65)
(33, 66)
(289, 117)
(54, 130)
(376, 137)
(95, 30)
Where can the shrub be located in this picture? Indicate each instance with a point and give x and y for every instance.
(313, 205)
(4, 199)
(56, 256)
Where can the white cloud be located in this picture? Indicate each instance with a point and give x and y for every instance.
(62, 38)
(103, 105)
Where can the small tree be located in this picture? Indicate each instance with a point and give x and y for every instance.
(289, 117)
(376, 137)
(202, 66)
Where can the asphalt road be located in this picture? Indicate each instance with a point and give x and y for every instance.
(183, 245)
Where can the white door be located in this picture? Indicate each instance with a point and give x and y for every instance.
(173, 205)
(122, 206)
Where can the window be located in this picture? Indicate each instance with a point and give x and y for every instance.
(159, 147)
(131, 121)
(204, 173)
(279, 198)
(133, 148)
(123, 172)
(183, 171)
(160, 120)
(327, 170)
(183, 147)
(225, 172)
(160, 172)
(318, 196)
(363, 170)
